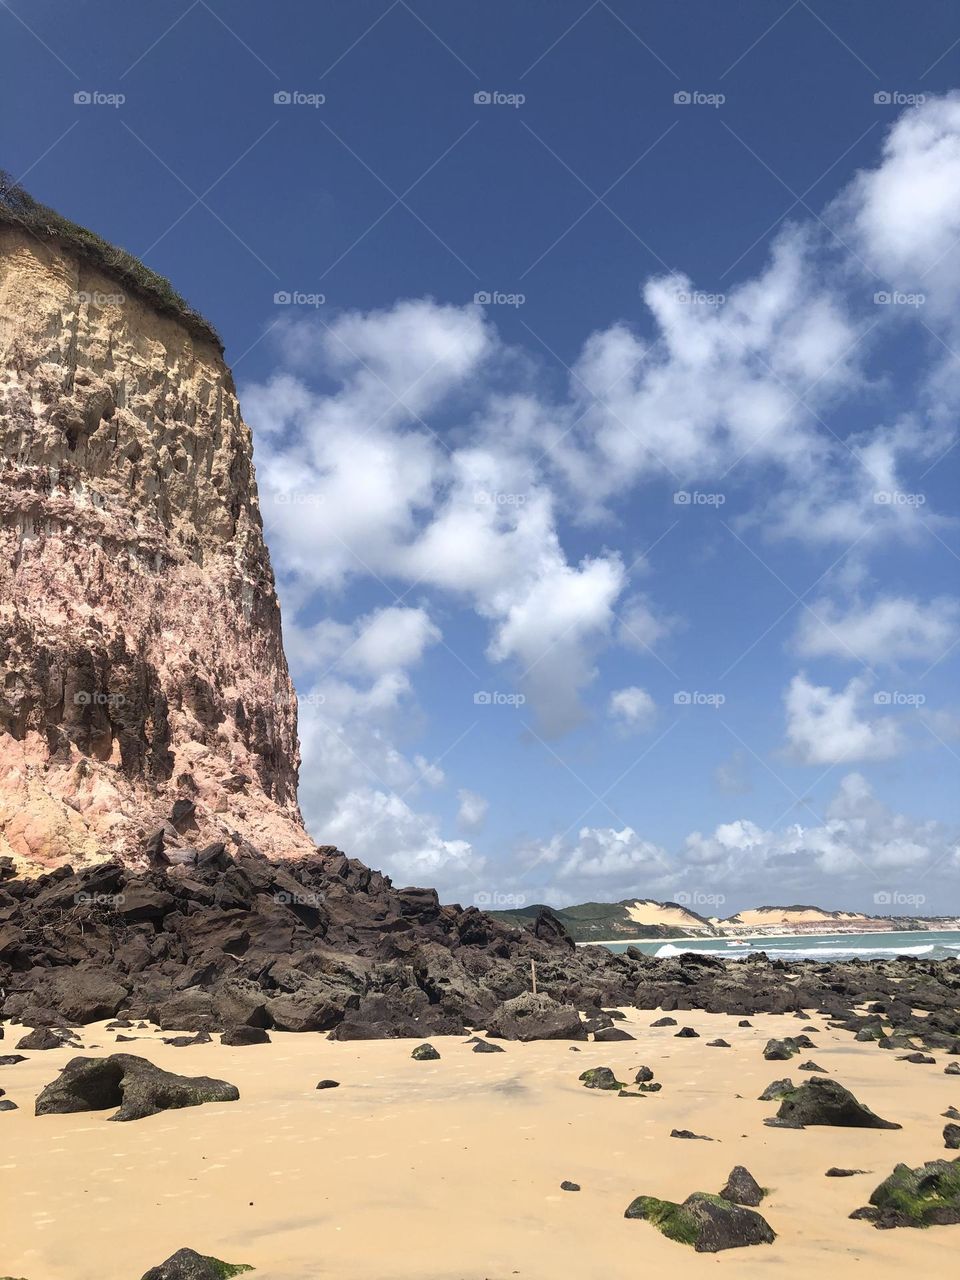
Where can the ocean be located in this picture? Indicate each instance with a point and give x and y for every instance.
(928, 944)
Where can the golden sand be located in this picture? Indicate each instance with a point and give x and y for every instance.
(451, 1170)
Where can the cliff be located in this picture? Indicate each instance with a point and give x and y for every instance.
(141, 658)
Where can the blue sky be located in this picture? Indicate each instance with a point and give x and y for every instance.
(715, 248)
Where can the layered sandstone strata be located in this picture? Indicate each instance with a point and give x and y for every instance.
(140, 647)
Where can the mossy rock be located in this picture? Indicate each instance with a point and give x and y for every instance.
(425, 1053)
(708, 1223)
(668, 1217)
(187, 1264)
(600, 1078)
(923, 1197)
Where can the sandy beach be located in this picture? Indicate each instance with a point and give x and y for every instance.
(451, 1170)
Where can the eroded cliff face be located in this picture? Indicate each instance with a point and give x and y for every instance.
(141, 659)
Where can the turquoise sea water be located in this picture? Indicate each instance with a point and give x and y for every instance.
(931, 944)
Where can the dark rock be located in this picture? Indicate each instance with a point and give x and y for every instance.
(917, 1057)
(487, 1046)
(536, 1017)
(781, 1122)
(744, 1022)
(923, 1197)
(742, 1188)
(183, 812)
(664, 1022)
(46, 1038)
(643, 1075)
(7, 1105)
(132, 1084)
(425, 1053)
(569, 1186)
(687, 1033)
(843, 1173)
(183, 1042)
(607, 1034)
(600, 1078)
(780, 1050)
(708, 1223)
(329, 1084)
(185, 1264)
(244, 1035)
(686, 1133)
(952, 1070)
(951, 1137)
(777, 1089)
(717, 1044)
(809, 1066)
(11, 1059)
(825, 1102)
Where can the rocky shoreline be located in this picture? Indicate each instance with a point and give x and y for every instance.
(216, 939)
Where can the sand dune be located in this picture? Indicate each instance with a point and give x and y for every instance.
(451, 1170)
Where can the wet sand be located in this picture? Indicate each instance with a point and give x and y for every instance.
(451, 1170)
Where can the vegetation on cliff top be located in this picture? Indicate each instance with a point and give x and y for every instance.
(18, 207)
